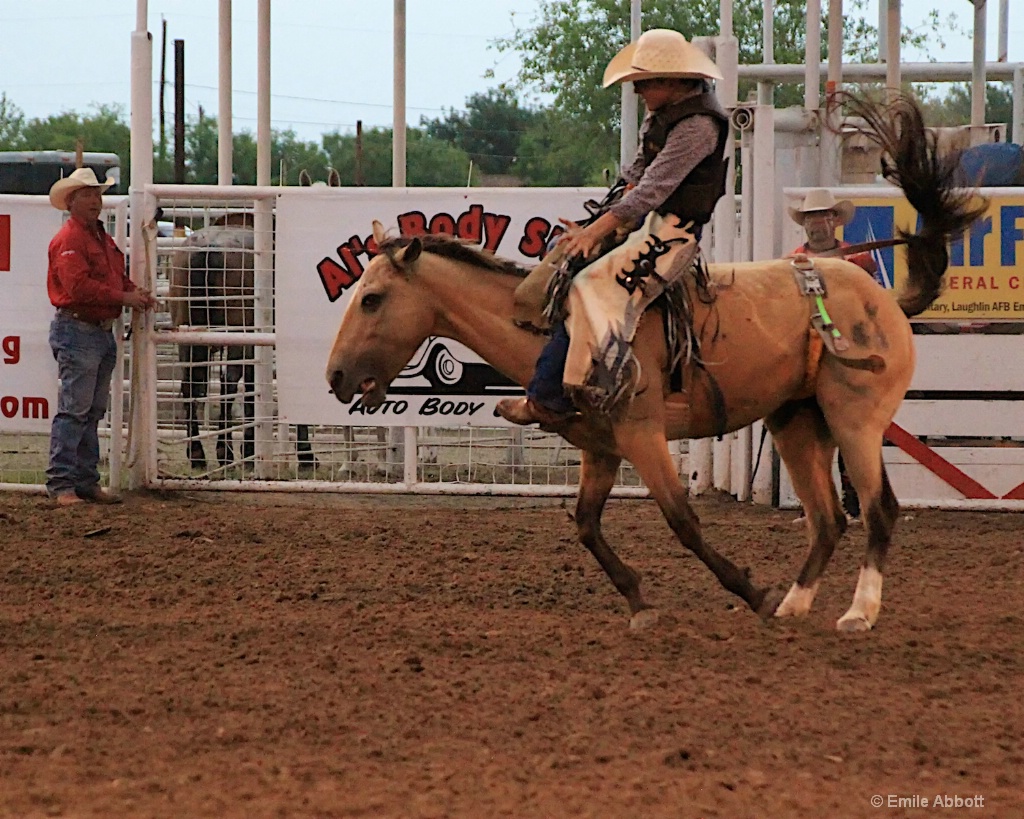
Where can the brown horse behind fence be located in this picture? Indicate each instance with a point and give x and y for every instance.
(211, 285)
(759, 358)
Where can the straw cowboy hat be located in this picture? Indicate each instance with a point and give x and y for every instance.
(81, 178)
(660, 52)
(821, 199)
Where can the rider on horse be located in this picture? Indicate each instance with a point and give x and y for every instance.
(670, 191)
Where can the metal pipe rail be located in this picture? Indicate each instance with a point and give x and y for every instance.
(214, 194)
(912, 72)
(212, 338)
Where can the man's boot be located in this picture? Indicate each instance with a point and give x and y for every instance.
(525, 411)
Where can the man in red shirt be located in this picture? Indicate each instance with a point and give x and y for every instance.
(820, 215)
(87, 284)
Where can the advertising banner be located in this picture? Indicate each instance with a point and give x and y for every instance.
(28, 373)
(321, 251)
(985, 279)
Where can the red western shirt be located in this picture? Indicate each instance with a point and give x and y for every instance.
(86, 272)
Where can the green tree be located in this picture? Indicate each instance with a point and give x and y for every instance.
(287, 152)
(564, 52)
(429, 161)
(556, 152)
(489, 130)
(105, 130)
(12, 123)
(293, 155)
(954, 107)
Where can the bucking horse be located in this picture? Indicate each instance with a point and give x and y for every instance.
(760, 349)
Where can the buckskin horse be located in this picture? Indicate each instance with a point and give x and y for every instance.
(759, 357)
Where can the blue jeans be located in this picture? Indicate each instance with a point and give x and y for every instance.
(86, 356)
(546, 385)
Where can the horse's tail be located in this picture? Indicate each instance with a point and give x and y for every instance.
(929, 181)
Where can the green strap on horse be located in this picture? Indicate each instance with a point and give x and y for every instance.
(811, 285)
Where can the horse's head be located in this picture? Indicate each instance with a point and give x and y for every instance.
(384, 324)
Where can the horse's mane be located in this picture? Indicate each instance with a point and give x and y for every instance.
(458, 250)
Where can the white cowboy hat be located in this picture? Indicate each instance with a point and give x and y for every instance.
(660, 52)
(821, 199)
(81, 178)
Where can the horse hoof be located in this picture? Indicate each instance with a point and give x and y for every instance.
(851, 625)
(797, 602)
(770, 604)
(645, 618)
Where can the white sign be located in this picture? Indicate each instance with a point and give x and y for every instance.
(322, 235)
(28, 373)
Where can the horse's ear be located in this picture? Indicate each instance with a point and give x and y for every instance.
(334, 179)
(409, 254)
(304, 178)
(379, 234)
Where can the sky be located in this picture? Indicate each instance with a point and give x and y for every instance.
(331, 60)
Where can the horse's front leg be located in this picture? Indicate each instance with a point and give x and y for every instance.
(644, 444)
(597, 477)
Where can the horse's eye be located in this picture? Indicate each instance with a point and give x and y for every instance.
(371, 302)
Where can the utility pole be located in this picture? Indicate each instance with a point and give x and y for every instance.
(179, 112)
(163, 85)
(360, 180)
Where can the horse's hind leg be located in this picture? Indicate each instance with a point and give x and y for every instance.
(303, 449)
(232, 374)
(880, 509)
(194, 386)
(597, 477)
(647, 449)
(805, 444)
(249, 407)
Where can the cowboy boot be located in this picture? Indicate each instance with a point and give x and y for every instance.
(525, 411)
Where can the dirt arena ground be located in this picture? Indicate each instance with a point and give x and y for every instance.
(331, 656)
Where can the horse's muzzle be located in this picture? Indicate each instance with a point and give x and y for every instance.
(342, 392)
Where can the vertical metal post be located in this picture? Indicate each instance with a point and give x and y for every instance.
(400, 444)
(893, 74)
(142, 255)
(1004, 14)
(741, 464)
(722, 471)
(763, 193)
(831, 144)
(263, 257)
(978, 75)
(812, 57)
(763, 197)
(765, 90)
(117, 384)
(1018, 106)
(225, 148)
(628, 137)
(398, 136)
(708, 464)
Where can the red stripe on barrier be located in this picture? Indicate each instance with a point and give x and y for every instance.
(933, 462)
(1017, 493)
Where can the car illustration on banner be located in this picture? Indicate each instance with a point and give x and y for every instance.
(435, 370)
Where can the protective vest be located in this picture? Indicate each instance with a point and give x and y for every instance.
(697, 194)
